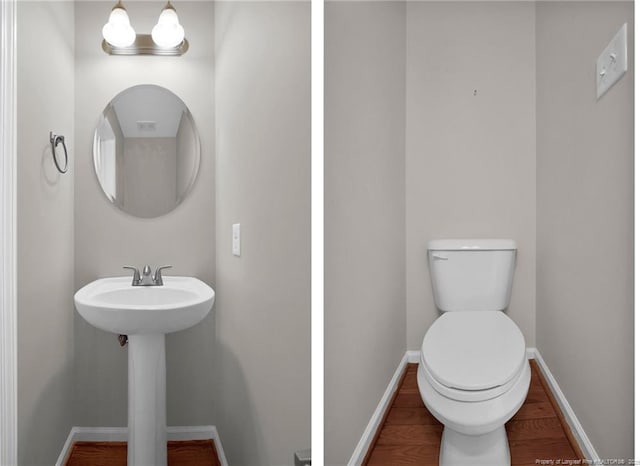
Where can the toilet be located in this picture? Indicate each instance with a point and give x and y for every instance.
(473, 374)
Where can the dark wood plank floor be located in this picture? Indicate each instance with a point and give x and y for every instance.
(179, 453)
(410, 435)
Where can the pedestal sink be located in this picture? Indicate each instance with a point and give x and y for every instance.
(145, 314)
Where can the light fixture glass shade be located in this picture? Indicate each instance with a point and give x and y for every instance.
(168, 32)
(118, 31)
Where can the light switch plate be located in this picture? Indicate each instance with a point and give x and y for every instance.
(612, 62)
(235, 239)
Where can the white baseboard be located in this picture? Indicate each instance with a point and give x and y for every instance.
(576, 428)
(119, 434)
(531, 353)
(414, 357)
(367, 437)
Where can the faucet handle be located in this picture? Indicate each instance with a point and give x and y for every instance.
(136, 274)
(157, 278)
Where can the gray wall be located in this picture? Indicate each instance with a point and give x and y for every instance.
(263, 321)
(365, 333)
(470, 160)
(150, 175)
(44, 231)
(107, 239)
(585, 219)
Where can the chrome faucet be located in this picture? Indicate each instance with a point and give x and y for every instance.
(146, 279)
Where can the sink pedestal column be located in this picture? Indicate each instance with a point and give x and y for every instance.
(147, 401)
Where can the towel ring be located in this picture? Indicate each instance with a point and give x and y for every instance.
(56, 139)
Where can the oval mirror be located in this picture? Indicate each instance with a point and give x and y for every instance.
(146, 151)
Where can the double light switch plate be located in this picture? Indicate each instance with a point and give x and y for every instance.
(612, 62)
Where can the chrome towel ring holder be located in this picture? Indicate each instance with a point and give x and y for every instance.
(56, 139)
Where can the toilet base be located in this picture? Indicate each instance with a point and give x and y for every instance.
(490, 449)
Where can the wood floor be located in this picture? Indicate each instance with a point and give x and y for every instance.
(410, 435)
(180, 453)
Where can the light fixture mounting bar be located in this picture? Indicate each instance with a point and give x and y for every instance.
(144, 45)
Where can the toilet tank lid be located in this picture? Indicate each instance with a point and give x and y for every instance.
(471, 244)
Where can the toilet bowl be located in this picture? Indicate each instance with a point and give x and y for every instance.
(473, 377)
(473, 374)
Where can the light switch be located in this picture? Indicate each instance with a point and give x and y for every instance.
(235, 239)
(612, 62)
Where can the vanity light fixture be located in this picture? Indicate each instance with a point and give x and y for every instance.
(166, 38)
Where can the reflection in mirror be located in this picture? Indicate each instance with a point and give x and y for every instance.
(146, 151)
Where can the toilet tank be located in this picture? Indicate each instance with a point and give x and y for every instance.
(471, 274)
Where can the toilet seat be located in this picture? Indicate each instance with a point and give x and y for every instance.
(470, 395)
(474, 418)
(473, 355)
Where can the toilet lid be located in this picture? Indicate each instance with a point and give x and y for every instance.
(473, 350)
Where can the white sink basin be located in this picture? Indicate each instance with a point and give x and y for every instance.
(112, 304)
